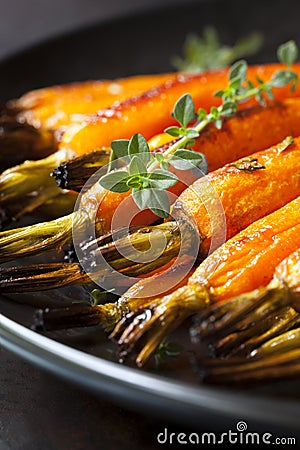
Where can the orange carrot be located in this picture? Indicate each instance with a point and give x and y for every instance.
(243, 263)
(248, 189)
(56, 106)
(28, 123)
(248, 260)
(253, 129)
(150, 112)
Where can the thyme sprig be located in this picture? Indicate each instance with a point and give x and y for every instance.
(96, 297)
(166, 350)
(148, 175)
(99, 297)
(207, 52)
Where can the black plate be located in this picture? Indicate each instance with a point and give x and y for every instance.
(144, 44)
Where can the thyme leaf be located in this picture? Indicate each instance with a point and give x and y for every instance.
(287, 53)
(184, 111)
(98, 297)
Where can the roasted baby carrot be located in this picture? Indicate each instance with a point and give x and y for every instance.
(56, 106)
(243, 263)
(248, 260)
(29, 125)
(258, 332)
(155, 107)
(241, 324)
(240, 136)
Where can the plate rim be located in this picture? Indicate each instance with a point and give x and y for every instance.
(98, 374)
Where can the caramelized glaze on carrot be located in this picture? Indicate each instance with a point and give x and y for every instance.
(248, 189)
(249, 259)
(150, 112)
(55, 106)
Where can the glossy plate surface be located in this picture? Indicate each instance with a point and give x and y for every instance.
(143, 44)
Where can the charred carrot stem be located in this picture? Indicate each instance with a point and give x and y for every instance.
(106, 315)
(75, 173)
(7, 110)
(23, 190)
(20, 141)
(232, 323)
(52, 208)
(77, 316)
(280, 344)
(80, 173)
(55, 207)
(276, 359)
(55, 275)
(26, 187)
(69, 317)
(222, 318)
(18, 242)
(241, 370)
(248, 337)
(42, 277)
(109, 314)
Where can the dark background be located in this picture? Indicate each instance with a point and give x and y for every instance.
(23, 23)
